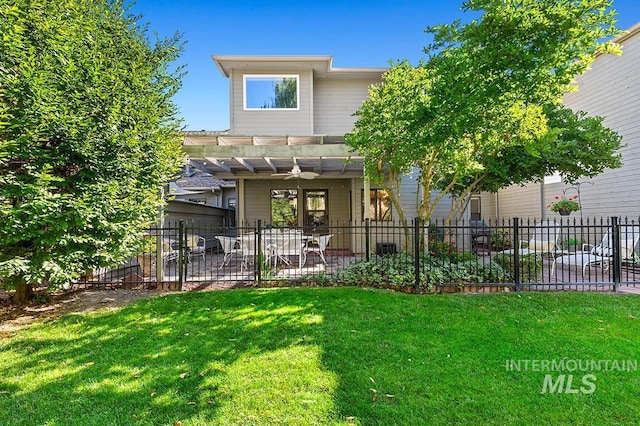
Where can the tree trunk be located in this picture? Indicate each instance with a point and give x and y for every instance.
(23, 293)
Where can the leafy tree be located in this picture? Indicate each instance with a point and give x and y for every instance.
(285, 94)
(575, 145)
(489, 90)
(284, 208)
(286, 91)
(88, 136)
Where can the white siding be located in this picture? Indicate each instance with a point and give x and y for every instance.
(272, 122)
(335, 102)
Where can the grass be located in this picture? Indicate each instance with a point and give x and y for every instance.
(322, 357)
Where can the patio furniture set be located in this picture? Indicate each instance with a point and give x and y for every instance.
(276, 246)
(546, 241)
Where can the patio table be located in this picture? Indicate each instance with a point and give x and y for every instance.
(284, 244)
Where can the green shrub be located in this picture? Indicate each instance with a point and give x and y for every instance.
(448, 251)
(500, 239)
(398, 272)
(530, 266)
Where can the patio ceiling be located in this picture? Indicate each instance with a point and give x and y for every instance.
(257, 157)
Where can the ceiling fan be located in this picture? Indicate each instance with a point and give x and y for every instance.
(296, 173)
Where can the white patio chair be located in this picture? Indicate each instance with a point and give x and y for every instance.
(545, 240)
(317, 245)
(603, 252)
(229, 247)
(196, 245)
(169, 251)
(248, 248)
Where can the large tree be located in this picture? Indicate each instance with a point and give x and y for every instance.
(88, 136)
(490, 88)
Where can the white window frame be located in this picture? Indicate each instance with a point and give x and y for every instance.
(272, 76)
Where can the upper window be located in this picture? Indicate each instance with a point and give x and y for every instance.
(271, 92)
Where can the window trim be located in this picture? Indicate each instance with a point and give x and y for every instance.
(272, 76)
(367, 216)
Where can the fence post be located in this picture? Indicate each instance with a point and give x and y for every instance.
(516, 252)
(617, 258)
(258, 249)
(181, 253)
(367, 241)
(416, 253)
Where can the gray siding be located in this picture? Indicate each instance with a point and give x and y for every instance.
(268, 122)
(335, 102)
(409, 188)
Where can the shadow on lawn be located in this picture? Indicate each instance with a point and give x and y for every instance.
(199, 358)
(316, 356)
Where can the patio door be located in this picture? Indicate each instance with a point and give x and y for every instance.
(316, 212)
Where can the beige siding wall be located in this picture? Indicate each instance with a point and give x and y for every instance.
(258, 197)
(519, 201)
(611, 89)
(268, 122)
(335, 102)
(488, 206)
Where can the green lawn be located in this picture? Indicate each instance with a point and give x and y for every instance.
(325, 356)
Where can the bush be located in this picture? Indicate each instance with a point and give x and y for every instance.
(448, 251)
(500, 239)
(530, 266)
(397, 272)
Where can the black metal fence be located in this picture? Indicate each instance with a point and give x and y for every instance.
(492, 255)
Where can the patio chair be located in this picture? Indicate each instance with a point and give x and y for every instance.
(229, 247)
(545, 240)
(248, 249)
(169, 251)
(317, 245)
(603, 252)
(196, 245)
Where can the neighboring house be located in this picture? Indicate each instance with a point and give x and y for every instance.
(200, 187)
(611, 89)
(290, 113)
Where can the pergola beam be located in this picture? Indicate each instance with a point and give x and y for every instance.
(218, 164)
(261, 151)
(270, 163)
(245, 164)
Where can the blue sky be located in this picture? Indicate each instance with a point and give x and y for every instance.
(356, 33)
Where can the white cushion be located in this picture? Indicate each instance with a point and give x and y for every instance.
(541, 246)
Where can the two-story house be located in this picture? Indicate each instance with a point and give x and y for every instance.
(285, 146)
